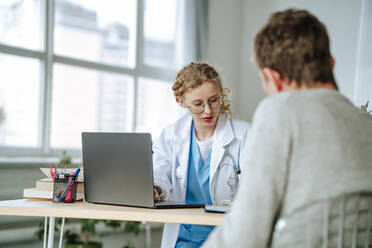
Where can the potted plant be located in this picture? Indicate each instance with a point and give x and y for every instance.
(365, 108)
(65, 160)
(88, 228)
(74, 240)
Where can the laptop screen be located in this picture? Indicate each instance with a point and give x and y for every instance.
(118, 168)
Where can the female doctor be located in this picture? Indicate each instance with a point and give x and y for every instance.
(196, 159)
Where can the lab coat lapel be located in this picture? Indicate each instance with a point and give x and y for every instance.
(223, 136)
(183, 151)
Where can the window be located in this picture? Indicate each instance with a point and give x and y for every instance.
(97, 101)
(96, 31)
(69, 66)
(159, 44)
(154, 101)
(20, 94)
(20, 24)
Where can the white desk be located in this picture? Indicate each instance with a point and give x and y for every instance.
(86, 210)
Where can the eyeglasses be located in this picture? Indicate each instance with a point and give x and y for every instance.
(199, 108)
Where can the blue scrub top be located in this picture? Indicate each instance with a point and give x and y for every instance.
(197, 191)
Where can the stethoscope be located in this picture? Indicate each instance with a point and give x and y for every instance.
(231, 182)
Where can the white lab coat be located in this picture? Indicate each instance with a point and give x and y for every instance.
(171, 156)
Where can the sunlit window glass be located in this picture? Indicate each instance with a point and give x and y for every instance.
(40, 113)
(156, 106)
(96, 30)
(19, 101)
(88, 100)
(160, 23)
(20, 23)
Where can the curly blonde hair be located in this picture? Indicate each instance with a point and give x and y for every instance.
(193, 75)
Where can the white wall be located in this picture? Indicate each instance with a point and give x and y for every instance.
(234, 23)
(363, 88)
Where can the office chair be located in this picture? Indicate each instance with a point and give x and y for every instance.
(339, 222)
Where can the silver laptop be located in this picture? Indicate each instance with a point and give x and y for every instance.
(118, 170)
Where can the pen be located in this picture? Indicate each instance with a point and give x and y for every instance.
(51, 172)
(69, 185)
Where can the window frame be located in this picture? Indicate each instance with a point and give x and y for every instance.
(47, 59)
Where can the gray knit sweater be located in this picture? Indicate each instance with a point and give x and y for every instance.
(303, 147)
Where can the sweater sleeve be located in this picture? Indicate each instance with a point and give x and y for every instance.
(264, 173)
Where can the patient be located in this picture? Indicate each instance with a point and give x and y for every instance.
(308, 142)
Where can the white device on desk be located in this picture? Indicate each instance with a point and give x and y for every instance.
(217, 208)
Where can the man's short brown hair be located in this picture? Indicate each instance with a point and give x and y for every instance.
(295, 44)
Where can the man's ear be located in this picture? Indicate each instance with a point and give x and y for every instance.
(274, 77)
(333, 62)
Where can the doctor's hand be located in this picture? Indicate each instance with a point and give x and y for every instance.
(157, 192)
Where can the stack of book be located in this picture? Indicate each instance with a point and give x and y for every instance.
(44, 188)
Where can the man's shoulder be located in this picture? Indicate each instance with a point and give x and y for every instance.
(297, 101)
(275, 105)
(276, 100)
